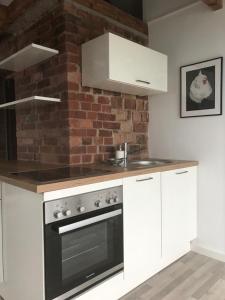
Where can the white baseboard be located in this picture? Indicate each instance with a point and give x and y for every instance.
(195, 247)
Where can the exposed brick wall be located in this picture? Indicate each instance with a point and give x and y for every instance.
(88, 123)
(42, 129)
(98, 119)
(2, 134)
(102, 121)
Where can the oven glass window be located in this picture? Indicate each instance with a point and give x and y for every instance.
(84, 249)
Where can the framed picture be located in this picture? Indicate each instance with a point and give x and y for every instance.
(201, 89)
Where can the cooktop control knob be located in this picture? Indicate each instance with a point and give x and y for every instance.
(116, 199)
(98, 203)
(67, 213)
(81, 209)
(58, 214)
(110, 201)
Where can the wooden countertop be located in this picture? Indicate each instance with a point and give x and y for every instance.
(8, 167)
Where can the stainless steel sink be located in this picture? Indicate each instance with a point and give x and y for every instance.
(149, 163)
(142, 163)
(136, 164)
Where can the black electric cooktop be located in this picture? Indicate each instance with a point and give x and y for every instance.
(60, 174)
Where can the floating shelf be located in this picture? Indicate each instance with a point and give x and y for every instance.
(13, 104)
(26, 57)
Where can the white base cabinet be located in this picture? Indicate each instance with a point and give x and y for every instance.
(179, 211)
(142, 228)
(159, 223)
(1, 238)
(111, 289)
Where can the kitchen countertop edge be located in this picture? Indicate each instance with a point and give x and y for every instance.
(117, 174)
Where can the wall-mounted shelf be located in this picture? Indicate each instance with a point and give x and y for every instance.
(26, 57)
(13, 104)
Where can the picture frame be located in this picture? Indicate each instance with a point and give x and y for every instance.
(201, 88)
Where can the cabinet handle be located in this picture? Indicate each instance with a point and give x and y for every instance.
(144, 179)
(143, 81)
(180, 173)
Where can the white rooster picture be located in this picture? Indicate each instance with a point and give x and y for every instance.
(200, 88)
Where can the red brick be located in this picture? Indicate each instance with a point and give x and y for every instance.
(72, 86)
(75, 141)
(87, 158)
(86, 140)
(130, 104)
(80, 114)
(97, 124)
(92, 115)
(96, 107)
(74, 123)
(74, 105)
(111, 125)
(105, 133)
(91, 149)
(140, 104)
(106, 109)
(117, 102)
(106, 117)
(78, 150)
(103, 100)
(86, 123)
(75, 159)
(79, 132)
(108, 141)
(109, 149)
(140, 127)
(91, 132)
(85, 97)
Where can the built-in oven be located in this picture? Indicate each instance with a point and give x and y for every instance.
(83, 241)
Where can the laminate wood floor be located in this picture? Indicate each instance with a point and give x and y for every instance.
(193, 277)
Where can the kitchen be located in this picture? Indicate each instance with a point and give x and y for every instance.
(98, 217)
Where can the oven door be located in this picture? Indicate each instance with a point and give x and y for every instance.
(82, 251)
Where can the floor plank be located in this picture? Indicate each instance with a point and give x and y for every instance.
(193, 277)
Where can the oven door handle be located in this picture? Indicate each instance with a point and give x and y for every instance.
(89, 221)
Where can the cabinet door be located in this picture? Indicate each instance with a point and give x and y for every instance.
(1, 237)
(151, 69)
(179, 211)
(142, 227)
(137, 65)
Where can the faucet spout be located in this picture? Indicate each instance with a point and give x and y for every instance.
(125, 145)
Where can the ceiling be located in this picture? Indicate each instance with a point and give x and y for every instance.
(153, 9)
(6, 2)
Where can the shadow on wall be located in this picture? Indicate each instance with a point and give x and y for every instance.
(133, 7)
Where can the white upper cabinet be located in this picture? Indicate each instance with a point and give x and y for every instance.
(113, 63)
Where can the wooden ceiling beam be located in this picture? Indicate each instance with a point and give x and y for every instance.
(214, 4)
(3, 13)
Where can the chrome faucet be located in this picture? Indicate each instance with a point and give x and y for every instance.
(125, 150)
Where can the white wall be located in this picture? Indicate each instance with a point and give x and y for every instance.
(190, 36)
(156, 8)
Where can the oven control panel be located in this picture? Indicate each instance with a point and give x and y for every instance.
(64, 208)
